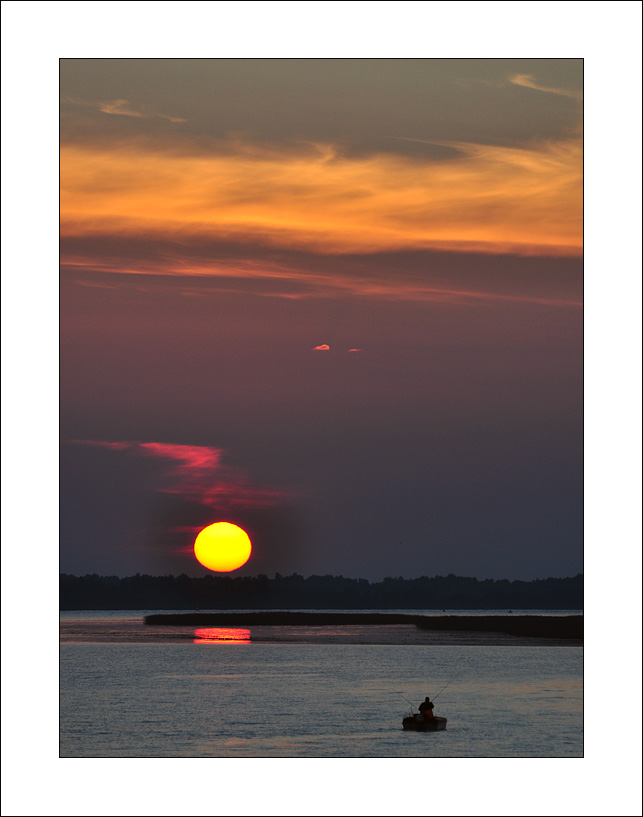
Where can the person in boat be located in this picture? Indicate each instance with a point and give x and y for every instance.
(426, 708)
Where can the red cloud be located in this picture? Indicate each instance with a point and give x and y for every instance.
(196, 473)
(323, 348)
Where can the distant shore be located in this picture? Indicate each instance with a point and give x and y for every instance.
(547, 627)
(260, 593)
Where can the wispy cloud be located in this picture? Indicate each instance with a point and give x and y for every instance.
(273, 280)
(527, 81)
(524, 200)
(197, 473)
(121, 107)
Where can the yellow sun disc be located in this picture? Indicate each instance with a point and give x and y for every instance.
(222, 547)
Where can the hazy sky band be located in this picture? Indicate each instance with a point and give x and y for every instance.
(370, 106)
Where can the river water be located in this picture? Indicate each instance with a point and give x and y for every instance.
(233, 693)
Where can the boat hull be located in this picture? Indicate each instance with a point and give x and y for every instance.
(414, 723)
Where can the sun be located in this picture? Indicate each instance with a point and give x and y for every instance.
(222, 547)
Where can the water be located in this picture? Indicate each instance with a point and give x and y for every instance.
(138, 615)
(247, 699)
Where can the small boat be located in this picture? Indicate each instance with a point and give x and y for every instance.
(418, 723)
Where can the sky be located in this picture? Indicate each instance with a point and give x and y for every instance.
(335, 301)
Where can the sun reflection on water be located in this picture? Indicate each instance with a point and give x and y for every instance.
(221, 635)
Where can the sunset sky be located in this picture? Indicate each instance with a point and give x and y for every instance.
(335, 301)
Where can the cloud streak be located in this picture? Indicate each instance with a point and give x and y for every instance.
(295, 280)
(527, 81)
(524, 200)
(121, 107)
(196, 473)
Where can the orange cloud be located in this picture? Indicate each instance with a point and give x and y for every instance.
(323, 348)
(525, 200)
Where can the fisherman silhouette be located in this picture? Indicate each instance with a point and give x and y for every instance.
(426, 708)
(424, 720)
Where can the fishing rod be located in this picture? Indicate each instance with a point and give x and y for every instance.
(457, 675)
(447, 684)
(406, 699)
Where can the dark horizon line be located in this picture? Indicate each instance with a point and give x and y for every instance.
(278, 576)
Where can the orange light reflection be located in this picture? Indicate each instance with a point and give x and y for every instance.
(221, 635)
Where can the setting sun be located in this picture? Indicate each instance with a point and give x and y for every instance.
(222, 547)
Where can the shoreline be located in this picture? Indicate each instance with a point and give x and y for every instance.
(566, 628)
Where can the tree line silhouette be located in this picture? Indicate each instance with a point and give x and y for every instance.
(144, 592)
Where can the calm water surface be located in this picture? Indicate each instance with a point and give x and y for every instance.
(238, 698)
